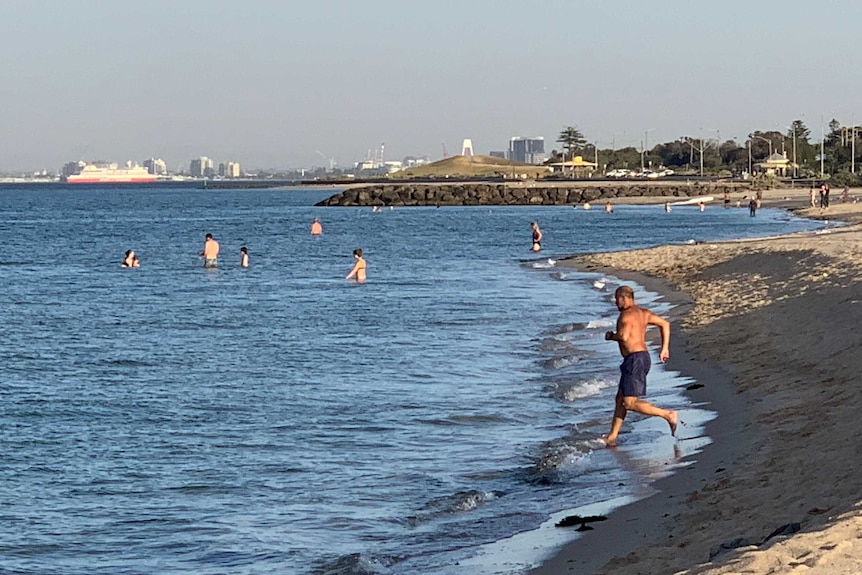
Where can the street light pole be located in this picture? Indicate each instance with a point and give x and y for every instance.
(749, 157)
(822, 151)
(768, 141)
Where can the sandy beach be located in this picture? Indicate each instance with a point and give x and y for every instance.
(770, 328)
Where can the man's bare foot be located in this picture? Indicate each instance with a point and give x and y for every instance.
(672, 420)
(609, 442)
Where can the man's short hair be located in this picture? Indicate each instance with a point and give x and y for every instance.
(209, 236)
(625, 291)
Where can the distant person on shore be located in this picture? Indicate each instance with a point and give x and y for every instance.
(316, 228)
(358, 271)
(609, 208)
(826, 196)
(243, 257)
(845, 194)
(210, 253)
(537, 237)
(738, 203)
(752, 207)
(667, 207)
(812, 197)
(631, 338)
(131, 260)
(701, 206)
(726, 200)
(822, 195)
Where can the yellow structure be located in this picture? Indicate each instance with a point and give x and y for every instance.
(777, 165)
(578, 163)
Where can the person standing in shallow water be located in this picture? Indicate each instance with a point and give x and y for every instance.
(358, 271)
(210, 253)
(537, 237)
(316, 228)
(243, 257)
(631, 338)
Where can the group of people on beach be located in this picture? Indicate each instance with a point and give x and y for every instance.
(212, 248)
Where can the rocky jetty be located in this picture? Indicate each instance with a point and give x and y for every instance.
(500, 194)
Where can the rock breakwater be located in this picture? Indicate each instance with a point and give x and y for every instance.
(492, 194)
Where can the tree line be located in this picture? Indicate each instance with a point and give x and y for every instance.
(841, 152)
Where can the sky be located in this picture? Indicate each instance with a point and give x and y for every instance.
(300, 83)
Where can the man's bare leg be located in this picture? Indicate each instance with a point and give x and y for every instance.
(646, 408)
(616, 424)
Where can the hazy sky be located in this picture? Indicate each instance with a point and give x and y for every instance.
(271, 83)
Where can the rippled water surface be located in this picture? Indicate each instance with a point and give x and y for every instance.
(277, 419)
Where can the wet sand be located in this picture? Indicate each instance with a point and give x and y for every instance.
(770, 327)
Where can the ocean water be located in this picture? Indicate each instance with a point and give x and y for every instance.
(278, 419)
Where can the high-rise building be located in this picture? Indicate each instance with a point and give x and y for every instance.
(232, 170)
(527, 150)
(202, 166)
(156, 166)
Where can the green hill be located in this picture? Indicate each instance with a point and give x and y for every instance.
(471, 166)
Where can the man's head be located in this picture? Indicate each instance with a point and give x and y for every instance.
(624, 297)
(209, 236)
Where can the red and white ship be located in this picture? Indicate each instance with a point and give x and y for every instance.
(111, 174)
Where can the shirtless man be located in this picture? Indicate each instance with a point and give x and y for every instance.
(631, 337)
(358, 270)
(243, 257)
(316, 228)
(210, 253)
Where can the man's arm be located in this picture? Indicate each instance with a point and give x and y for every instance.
(664, 326)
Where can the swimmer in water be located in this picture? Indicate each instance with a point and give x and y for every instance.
(537, 237)
(131, 260)
(210, 253)
(358, 271)
(316, 228)
(243, 257)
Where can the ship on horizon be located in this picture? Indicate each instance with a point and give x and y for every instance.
(109, 173)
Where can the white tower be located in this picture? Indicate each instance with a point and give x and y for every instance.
(467, 147)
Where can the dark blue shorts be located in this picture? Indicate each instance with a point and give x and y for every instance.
(634, 370)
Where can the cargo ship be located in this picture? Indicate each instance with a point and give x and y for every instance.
(110, 174)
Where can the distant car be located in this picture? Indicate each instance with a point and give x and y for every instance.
(664, 173)
(646, 174)
(617, 174)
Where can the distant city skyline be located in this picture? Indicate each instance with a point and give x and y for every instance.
(278, 86)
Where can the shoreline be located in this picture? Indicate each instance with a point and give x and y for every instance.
(762, 470)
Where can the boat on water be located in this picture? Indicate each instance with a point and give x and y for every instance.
(693, 201)
(110, 174)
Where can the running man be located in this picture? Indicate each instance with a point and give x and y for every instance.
(358, 270)
(210, 253)
(631, 337)
(537, 237)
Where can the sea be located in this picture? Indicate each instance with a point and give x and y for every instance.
(438, 419)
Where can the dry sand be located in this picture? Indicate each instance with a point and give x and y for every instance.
(772, 329)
